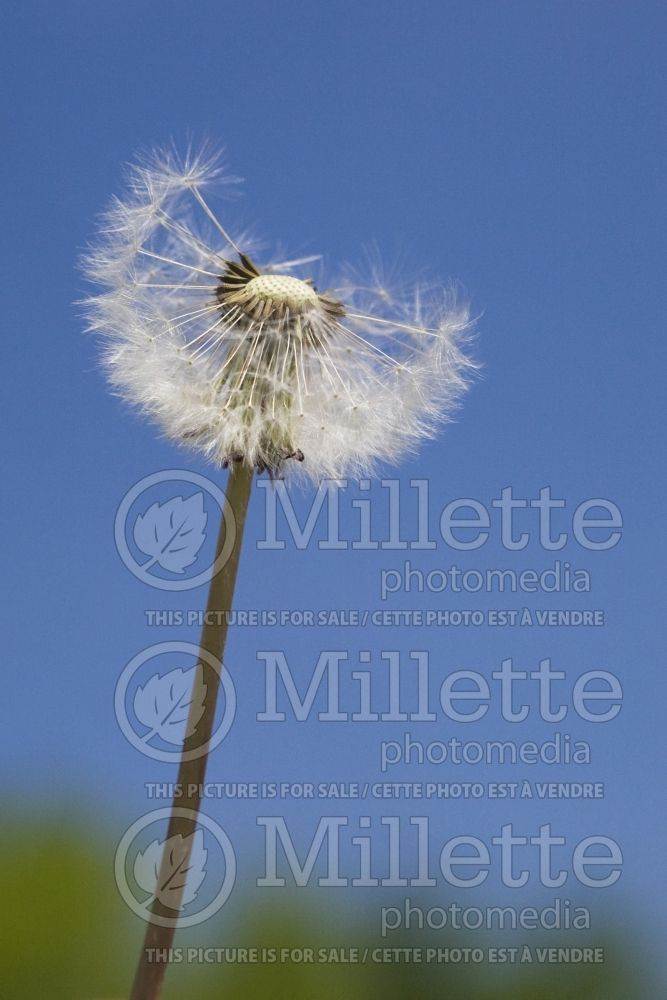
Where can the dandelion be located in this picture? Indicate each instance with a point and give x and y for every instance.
(256, 368)
(250, 363)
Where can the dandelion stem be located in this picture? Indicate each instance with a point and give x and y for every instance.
(150, 972)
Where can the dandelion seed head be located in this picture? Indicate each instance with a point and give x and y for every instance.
(285, 290)
(250, 362)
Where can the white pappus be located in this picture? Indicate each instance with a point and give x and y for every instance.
(249, 362)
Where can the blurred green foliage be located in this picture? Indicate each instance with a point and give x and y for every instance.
(67, 935)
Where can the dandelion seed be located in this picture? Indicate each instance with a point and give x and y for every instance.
(250, 363)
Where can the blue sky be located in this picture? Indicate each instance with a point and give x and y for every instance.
(512, 147)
